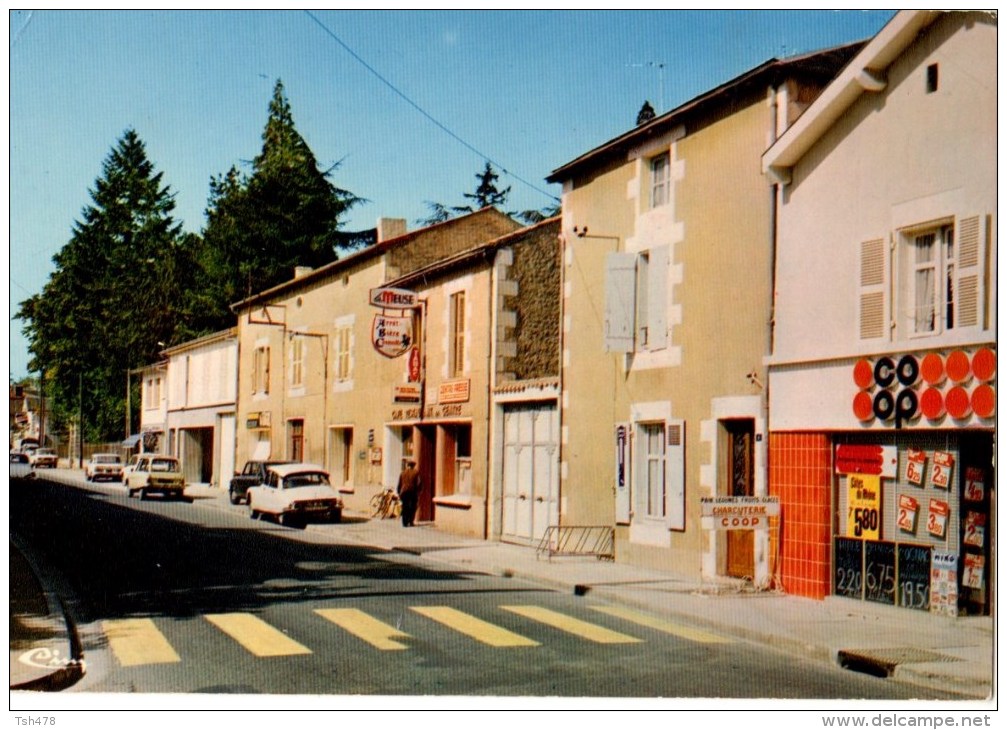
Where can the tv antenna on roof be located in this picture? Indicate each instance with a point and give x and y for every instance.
(660, 66)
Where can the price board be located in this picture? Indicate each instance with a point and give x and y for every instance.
(914, 576)
(937, 518)
(975, 529)
(972, 576)
(975, 488)
(940, 475)
(863, 519)
(879, 571)
(909, 507)
(848, 578)
(916, 464)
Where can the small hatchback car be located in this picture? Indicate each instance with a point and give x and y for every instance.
(156, 474)
(103, 466)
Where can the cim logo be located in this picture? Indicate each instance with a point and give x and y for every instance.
(957, 384)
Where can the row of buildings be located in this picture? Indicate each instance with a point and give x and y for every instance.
(759, 342)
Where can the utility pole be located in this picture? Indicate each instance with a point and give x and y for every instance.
(80, 420)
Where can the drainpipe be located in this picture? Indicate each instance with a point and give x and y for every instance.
(491, 372)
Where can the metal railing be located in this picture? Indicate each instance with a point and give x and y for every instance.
(584, 540)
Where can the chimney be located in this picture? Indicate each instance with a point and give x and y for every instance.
(389, 228)
(300, 271)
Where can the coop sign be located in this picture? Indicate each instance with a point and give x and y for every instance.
(391, 298)
(738, 513)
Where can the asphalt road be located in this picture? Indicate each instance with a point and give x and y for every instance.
(173, 597)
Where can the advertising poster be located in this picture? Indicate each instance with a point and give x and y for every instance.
(908, 509)
(944, 584)
(864, 517)
(943, 464)
(916, 464)
(937, 520)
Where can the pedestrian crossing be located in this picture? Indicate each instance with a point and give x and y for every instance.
(139, 642)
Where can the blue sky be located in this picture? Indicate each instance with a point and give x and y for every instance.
(527, 90)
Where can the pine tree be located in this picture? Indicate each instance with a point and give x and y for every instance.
(285, 213)
(111, 302)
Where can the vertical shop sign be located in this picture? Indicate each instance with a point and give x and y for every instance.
(937, 518)
(972, 577)
(975, 488)
(916, 464)
(908, 509)
(944, 584)
(864, 517)
(943, 464)
(621, 474)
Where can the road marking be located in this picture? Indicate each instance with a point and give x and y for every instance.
(256, 635)
(376, 633)
(667, 627)
(478, 629)
(572, 625)
(137, 641)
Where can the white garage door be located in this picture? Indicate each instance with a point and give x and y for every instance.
(530, 471)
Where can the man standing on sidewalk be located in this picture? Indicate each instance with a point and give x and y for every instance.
(409, 492)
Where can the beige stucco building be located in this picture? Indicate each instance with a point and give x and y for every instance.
(395, 352)
(885, 338)
(667, 283)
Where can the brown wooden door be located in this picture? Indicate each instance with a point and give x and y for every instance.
(740, 483)
(426, 456)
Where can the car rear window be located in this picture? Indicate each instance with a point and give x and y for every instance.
(107, 459)
(305, 480)
(164, 465)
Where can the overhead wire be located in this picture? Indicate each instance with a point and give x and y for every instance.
(328, 31)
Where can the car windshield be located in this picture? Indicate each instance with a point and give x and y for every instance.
(163, 465)
(106, 459)
(45, 452)
(310, 479)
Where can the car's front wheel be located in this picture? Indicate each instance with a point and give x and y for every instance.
(235, 499)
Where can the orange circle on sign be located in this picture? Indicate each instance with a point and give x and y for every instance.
(984, 364)
(957, 402)
(932, 403)
(958, 366)
(863, 374)
(932, 368)
(984, 401)
(863, 406)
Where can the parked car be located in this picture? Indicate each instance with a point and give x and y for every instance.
(252, 475)
(156, 474)
(20, 466)
(295, 493)
(43, 459)
(130, 465)
(103, 466)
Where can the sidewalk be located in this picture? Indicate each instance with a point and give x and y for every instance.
(912, 646)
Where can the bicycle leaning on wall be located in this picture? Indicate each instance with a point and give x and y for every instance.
(386, 504)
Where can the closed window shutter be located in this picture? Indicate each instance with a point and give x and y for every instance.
(675, 459)
(657, 294)
(620, 301)
(971, 256)
(872, 289)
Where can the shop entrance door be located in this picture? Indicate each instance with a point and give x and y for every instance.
(740, 437)
(425, 448)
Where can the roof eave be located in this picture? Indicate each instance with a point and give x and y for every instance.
(866, 73)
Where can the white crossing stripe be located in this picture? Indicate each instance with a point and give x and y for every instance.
(137, 641)
(256, 635)
(474, 627)
(572, 625)
(376, 633)
(685, 632)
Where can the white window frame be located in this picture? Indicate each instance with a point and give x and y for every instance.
(660, 180)
(652, 486)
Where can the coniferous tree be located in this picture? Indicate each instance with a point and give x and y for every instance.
(111, 302)
(259, 226)
(486, 194)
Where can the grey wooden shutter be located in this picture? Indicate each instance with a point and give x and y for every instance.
(620, 301)
(971, 255)
(872, 289)
(657, 295)
(674, 505)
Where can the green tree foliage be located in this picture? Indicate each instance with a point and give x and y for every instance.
(285, 213)
(486, 194)
(111, 302)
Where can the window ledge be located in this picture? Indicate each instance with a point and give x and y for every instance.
(461, 501)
